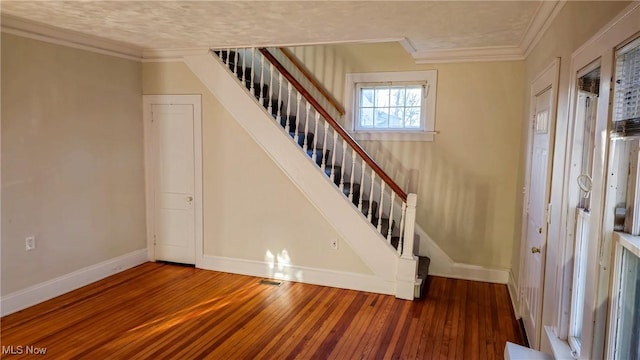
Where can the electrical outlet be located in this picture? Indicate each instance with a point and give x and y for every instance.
(30, 243)
(333, 243)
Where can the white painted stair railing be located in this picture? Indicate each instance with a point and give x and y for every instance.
(380, 200)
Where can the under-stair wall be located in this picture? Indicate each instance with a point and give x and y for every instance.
(231, 232)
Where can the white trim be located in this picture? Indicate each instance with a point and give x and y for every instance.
(545, 14)
(38, 293)
(477, 54)
(307, 275)
(54, 35)
(512, 286)
(560, 348)
(394, 135)
(171, 55)
(196, 101)
(429, 106)
(442, 265)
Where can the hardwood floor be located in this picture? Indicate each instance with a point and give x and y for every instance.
(163, 311)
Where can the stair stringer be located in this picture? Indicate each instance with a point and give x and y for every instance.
(345, 218)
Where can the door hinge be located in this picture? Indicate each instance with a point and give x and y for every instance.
(154, 240)
(549, 214)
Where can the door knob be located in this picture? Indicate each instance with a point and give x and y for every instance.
(535, 250)
(539, 230)
(189, 198)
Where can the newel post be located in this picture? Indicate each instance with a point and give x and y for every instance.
(407, 262)
(409, 226)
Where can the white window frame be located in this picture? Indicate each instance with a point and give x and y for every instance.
(595, 320)
(426, 131)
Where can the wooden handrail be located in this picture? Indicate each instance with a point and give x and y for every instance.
(336, 126)
(313, 80)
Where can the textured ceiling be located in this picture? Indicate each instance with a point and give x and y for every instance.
(428, 25)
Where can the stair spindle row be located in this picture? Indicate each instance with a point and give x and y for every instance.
(293, 112)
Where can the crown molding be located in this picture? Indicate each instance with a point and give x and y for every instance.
(171, 55)
(47, 33)
(483, 54)
(545, 14)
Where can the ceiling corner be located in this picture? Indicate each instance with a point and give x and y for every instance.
(543, 18)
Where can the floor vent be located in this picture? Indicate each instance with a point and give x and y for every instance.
(270, 282)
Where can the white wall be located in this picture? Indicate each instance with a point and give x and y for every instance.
(72, 160)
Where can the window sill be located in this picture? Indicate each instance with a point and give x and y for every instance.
(393, 135)
(559, 347)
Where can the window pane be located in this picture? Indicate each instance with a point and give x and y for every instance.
(382, 97)
(412, 117)
(366, 97)
(414, 96)
(366, 117)
(381, 118)
(398, 95)
(628, 344)
(396, 118)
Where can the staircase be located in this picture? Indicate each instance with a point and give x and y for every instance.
(268, 77)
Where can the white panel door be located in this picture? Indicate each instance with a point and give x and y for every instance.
(536, 221)
(174, 182)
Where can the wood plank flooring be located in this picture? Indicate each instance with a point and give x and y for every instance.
(162, 311)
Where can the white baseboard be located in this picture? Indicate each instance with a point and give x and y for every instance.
(307, 275)
(38, 293)
(513, 294)
(442, 265)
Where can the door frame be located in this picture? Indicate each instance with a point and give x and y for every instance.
(547, 79)
(150, 162)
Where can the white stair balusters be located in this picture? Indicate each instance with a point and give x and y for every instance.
(362, 169)
(343, 165)
(270, 106)
(391, 203)
(373, 181)
(261, 89)
(333, 156)
(304, 140)
(235, 62)
(253, 71)
(353, 172)
(315, 137)
(279, 110)
(381, 207)
(306, 129)
(287, 126)
(403, 214)
(324, 143)
(244, 67)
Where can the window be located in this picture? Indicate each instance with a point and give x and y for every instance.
(391, 106)
(588, 87)
(625, 312)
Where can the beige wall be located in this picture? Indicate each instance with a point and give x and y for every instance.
(466, 181)
(575, 24)
(250, 206)
(72, 160)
